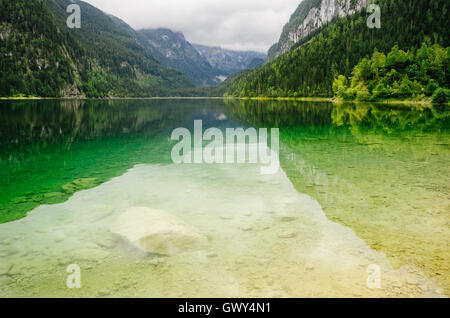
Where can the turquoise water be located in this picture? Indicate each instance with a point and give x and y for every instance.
(358, 185)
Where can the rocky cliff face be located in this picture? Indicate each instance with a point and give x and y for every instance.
(310, 16)
(205, 65)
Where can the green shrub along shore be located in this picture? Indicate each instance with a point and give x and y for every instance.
(417, 74)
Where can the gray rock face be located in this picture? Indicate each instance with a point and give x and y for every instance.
(205, 65)
(156, 232)
(172, 50)
(228, 61)
(310, 16)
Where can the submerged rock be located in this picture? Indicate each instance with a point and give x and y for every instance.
(412, 281)
(80, 184)
(5, 269)
(155, 231)
(156, 261)
(287, 235)
(246, 228)
(287, 218)
(103, 293)
(106, 243)
(54, 197)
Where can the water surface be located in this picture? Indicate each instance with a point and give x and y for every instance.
(359, 185)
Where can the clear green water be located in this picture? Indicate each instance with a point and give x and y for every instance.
(359, 185)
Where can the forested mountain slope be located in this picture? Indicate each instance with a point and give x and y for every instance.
(174, 51)
(399, 74)
(310, 16)
(205, 65)
(310, 68)
(35, 57)
(41, 56)
(115, 63)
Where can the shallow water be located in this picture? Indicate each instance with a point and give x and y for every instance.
(359, 186)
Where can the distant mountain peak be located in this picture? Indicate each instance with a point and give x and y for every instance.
(205, 65)
(229, 61)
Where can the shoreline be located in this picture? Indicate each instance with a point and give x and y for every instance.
(426, 102)
(111, 98)
(410, 102)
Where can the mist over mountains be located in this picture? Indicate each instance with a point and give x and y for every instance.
(41, 56)
(205, 65)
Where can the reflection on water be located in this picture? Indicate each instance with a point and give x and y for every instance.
(379, 171)
(51, 144)
(382, 171)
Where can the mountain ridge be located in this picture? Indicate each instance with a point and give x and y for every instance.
(205, 65)
(228, 61)
(310, 68)
(117, 65)
(310, 16)
(173, 50)
(42, 57)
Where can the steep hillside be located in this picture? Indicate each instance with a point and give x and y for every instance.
(310, 16)
(40, 56)
(400, 74)
(172, 50)
(113, 62)
(310, 69)
(35, 57)
(255, 63)
(205, 65)
(228, 61)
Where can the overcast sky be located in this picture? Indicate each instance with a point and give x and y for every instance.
(232, 24)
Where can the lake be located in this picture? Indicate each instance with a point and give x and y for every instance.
(362, 196)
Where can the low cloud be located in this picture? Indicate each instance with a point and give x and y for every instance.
(232, 24)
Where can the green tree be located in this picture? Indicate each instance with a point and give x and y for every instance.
(441, 96)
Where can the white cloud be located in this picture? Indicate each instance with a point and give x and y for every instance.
(233, 24)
